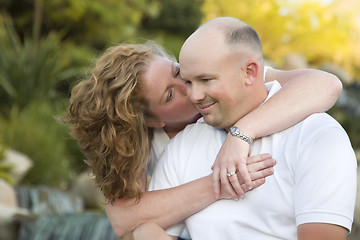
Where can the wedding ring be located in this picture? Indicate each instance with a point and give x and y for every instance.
(229, 174)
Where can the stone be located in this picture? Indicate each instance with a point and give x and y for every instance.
(8, 195)
(43, 200)
(9, 216)
(84, 186)
(20, 162)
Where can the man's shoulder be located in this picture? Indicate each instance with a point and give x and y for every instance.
(317, 125)
(319, 121)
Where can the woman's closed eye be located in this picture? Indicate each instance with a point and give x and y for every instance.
(170, 95)
(177, 71)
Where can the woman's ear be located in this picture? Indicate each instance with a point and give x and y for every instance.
(154, 123)
(251, 73)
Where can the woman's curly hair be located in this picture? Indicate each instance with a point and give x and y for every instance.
(107, 115)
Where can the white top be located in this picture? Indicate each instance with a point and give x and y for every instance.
(314, 180)
(158, 144)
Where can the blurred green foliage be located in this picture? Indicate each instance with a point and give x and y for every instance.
(96, 23)
(176, 20)
(31, 78)
(5, 168)
(34, 132)
(177, 17)
(45, 47)
(31, 71)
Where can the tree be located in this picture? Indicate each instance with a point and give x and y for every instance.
(97, 23)
(180, 17)
(317, 31)
(30, 71)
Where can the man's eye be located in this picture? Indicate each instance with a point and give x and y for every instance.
(170, 95)
(188, 82)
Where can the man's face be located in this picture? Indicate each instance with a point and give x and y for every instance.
(215, 80)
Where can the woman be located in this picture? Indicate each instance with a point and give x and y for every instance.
(136, 98)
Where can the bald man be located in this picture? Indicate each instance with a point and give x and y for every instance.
(312, 192)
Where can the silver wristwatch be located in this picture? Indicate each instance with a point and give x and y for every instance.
(236, 132)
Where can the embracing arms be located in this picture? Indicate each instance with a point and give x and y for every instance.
(181, 202)
(304, 92)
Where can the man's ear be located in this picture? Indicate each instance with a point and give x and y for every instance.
(154, 123)
(251, 73)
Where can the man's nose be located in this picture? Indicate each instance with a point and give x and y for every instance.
(195, 93)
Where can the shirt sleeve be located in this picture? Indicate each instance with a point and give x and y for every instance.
(325, 179)
(165, 176)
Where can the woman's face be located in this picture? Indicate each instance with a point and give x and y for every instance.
(166, 93)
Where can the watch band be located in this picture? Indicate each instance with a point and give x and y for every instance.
(234, 131)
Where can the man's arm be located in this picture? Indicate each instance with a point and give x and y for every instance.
(304, 92)
(321, 231)
(325, 180)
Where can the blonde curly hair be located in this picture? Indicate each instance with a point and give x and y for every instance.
(107, 114)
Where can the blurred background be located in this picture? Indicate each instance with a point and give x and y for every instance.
(46, 46)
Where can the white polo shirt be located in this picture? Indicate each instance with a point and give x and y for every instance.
(314, 180)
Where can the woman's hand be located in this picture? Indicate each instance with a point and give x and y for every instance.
(256, 168)
(232, 157)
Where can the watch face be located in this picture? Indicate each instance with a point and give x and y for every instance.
(233, 130)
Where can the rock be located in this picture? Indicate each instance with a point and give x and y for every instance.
(84, 186)
(20, 162)
(9, 216)
(8, 208)
(42, 200)
(8, 195)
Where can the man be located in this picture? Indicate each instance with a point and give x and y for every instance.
(312, 192)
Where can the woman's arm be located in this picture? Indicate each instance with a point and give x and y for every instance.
(304, 92)
(167, 207)
(149, 231)
(125, 214)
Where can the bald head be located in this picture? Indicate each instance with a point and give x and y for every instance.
(233, 32)
(223, 66)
